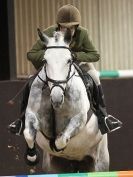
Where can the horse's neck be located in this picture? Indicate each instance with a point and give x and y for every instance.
(75, 80)
(76, 88)
(42, 74)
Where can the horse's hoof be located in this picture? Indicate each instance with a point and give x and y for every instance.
(53, 146)
(61, 143)
(32, 157)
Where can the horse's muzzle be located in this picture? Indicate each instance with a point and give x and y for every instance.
(57, 98)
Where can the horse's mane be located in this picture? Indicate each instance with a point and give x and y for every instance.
(58, 35)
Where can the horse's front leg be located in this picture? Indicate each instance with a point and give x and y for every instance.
(75, 125)
(31, 121)
(31, 127)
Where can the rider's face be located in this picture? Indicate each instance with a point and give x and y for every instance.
(72, 28)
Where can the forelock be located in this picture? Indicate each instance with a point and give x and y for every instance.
(58, 36)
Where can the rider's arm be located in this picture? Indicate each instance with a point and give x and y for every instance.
(87, 52)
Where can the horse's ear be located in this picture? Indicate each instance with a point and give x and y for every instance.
(68, 36)
(42, 36)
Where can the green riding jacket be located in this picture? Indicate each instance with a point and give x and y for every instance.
(80, 45)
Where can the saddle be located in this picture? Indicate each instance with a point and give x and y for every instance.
(91, 87)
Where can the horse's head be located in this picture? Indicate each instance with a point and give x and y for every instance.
(57, 64)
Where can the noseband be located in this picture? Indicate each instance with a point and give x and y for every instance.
(56, 83)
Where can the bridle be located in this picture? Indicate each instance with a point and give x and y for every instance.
(56, 83)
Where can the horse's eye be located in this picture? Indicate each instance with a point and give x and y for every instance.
(44, 61)
(69, 61)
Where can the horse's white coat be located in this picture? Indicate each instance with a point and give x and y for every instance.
(79, 137)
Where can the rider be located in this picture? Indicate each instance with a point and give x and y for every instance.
(83, 50)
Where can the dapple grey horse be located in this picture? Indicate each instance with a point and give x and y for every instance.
(57, 115)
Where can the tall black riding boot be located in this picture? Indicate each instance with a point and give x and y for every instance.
(18, 125)
(107, 123)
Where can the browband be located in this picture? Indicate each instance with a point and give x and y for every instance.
(58, 47)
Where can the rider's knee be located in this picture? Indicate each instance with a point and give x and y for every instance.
(94, 74)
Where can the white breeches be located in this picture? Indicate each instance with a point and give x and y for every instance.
(89, 68)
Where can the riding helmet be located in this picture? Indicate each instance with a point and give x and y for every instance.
(68, 15)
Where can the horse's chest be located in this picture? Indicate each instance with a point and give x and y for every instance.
(61, 120)
(64, 115)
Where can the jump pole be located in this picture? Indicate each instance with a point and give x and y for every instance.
(115, 74)
(94, 174)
